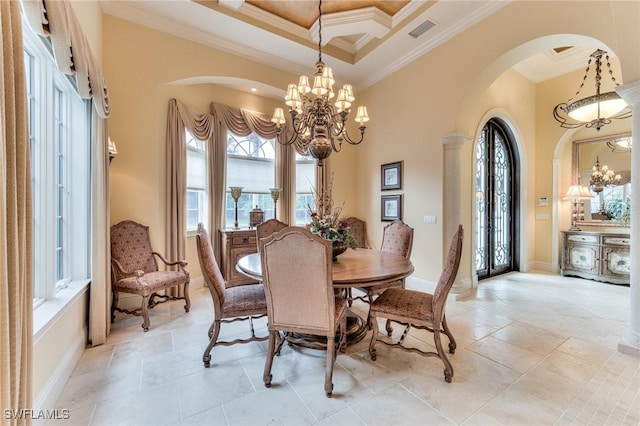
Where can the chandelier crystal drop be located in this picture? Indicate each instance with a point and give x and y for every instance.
(596, 110)
(318, 122)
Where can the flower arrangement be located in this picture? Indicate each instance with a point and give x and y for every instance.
(326, 221)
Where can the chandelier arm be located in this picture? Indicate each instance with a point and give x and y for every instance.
(346, 137)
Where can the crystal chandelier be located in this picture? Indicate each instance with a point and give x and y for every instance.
(319, 126)
(596, 110)
(602, 176)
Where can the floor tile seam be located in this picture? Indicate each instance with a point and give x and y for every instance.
(522, 374)
(595, 398)
(93, 413)
(297, 394)
(410, 392)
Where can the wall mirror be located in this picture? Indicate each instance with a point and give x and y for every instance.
(611, 202)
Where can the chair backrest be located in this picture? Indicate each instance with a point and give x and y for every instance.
(397, 238)
(210, 269)
(449, 273)
(358, 229)
(297, 278)
(131, 247)
(268, 227)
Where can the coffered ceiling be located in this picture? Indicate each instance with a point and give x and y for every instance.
(362, 40)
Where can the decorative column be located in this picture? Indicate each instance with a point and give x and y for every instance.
(452, 207)
(630, 343)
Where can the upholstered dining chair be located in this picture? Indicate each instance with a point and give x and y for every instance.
(397, 238)
(268, 227)
(239, 303)
(134, 269)
(420, 310)
(297, 276)
(358, 229)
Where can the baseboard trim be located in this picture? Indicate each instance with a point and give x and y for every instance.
(541, 266)
(51, 391)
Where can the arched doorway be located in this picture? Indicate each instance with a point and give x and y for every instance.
(497, 201)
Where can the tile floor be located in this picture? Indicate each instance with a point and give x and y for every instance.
(533, 349)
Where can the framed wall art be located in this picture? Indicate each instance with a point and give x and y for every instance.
(391, 208)
(391, 175)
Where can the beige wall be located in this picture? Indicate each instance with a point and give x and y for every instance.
(455, 88)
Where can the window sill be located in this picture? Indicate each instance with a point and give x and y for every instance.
(48, 312)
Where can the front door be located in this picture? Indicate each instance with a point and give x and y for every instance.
(496, 201)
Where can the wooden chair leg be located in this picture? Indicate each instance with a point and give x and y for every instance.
(452, 341)
(374, 335)
(187, 305)
(145, 313)
(214, 331)
(266, 377)
(331, 357)
(448, 368)
(114, 304)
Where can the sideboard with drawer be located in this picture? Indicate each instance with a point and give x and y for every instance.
(235, 244)
(597, 256)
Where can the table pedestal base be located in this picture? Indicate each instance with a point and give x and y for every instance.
(356, 331)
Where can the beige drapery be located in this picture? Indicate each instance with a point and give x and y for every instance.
(57, 20)
(100, 289)
(200, 125)
(212, 128)
(16, 257)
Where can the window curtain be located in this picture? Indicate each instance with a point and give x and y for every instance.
(56, 20)
(200, 125)
(16, 257)
(211, 128)
(244, 122)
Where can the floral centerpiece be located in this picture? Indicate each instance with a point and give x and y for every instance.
(326, 221)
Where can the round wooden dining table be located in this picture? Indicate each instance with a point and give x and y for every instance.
(358, 268)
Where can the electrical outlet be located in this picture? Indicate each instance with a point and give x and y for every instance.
(429, 219)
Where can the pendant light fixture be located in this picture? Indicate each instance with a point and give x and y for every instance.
(596, 110)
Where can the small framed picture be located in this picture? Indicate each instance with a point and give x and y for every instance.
(391, 207)
(391, 174)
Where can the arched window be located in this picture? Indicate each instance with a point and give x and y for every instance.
(497, 199)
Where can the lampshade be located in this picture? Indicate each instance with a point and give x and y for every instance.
(113, 151)
(588, 109)
(577, 192)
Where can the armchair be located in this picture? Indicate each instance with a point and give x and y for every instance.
(134, 269)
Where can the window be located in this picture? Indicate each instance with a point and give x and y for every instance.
(59, 135)
(196, 182)
(251, 164)
(614, 201)
(305, 182)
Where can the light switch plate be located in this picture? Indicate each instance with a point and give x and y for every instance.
(430, 219)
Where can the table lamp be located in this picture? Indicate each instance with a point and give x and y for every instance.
(275, 194)
(236, 192)
(577, 194)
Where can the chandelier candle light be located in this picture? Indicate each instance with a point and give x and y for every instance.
(236, 192)
(596, 110)
(319, 126)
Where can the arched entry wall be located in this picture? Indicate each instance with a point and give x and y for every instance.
(476, 107)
